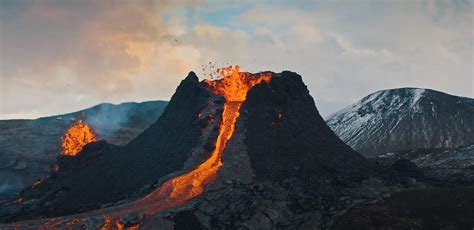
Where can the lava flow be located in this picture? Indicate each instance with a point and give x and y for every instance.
(76, 137)
(234, 87)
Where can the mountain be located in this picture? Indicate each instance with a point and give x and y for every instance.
(28, 148)
(403, 119)
(247, 134)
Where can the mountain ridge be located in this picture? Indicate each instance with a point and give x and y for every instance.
(405, 118)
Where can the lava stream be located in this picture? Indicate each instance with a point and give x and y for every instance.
(234, 88)
(182, 188)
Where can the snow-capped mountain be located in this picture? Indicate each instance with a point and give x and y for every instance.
(405, 118)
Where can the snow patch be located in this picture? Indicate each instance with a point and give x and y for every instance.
(417, 94)
(386, 155)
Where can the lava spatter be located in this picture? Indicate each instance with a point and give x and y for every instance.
(78, 135)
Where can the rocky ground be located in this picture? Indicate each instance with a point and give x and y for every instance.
(316, 203)
(454, 165)
(290, 204)
(429, 208)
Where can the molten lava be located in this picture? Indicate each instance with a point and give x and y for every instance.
(235, 85)
(234, 88)
(76, 137)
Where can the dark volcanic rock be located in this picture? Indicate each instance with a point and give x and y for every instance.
(286, 137)
(278, 205)
(454, 165)
(186, 220)
(104, 173)
(403, 119)
(407, 168)
(442, 208)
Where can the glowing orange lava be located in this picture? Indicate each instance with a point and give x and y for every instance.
(235, 85)
(234, 88)
(76, 137)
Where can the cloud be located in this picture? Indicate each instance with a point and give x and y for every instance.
(346, 50)
(63, 56)
(58, 56)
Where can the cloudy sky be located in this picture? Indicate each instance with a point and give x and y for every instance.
(62, 56)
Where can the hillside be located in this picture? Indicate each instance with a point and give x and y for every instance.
(403, 119)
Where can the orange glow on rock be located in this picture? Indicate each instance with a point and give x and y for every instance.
(37, 182)
(76, 137)
(234, 88)
(119, 225)
(107, 223)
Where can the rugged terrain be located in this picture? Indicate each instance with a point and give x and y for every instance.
(301, 151)
(455, 165)
(433, 208)
(112, 172)
(28, 148)
(404, 119)
(281, 167)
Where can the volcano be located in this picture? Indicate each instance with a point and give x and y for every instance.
(252, 133)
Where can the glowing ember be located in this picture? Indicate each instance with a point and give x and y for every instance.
(76, 137)
(37, 182)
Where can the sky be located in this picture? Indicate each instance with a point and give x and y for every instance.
(62, 56)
